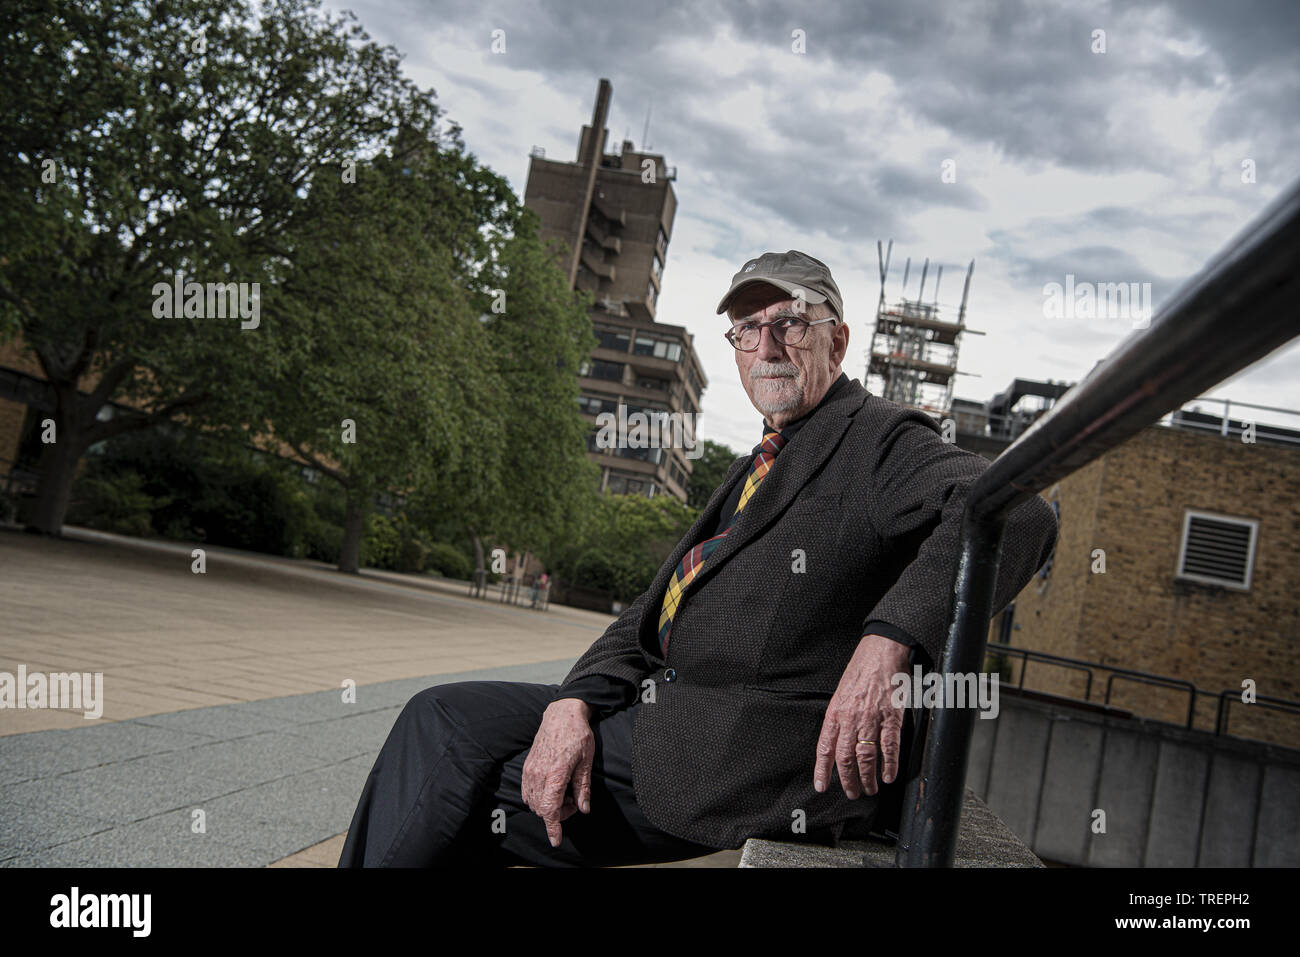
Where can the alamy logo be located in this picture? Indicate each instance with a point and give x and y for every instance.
(655, 430)
(76, 691)
(102, 910)
(214, 300)
(946, 690)
(1107, 300)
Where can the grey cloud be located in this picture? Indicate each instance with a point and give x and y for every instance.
(1092, 264)
(1016, 75)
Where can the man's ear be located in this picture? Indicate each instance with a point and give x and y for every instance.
(839, 343)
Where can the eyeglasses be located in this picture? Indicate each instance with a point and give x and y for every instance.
(787, 329)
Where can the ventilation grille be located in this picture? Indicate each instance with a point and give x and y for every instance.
(1218, 550)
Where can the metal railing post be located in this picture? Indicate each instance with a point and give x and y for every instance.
(934, 797)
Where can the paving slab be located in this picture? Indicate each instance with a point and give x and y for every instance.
(255, 627)
(272, 777)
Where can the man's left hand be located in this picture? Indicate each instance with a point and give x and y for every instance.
(862, 710)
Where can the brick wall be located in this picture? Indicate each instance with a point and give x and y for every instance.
(1138, 615)
(14, 355)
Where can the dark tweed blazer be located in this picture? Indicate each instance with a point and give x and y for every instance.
(873, 496)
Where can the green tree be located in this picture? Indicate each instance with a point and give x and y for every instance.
(379, 373)
(141, 139)
(622, 543)
(707, 473)
(540, 333)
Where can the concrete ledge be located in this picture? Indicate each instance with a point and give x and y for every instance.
(982, 841)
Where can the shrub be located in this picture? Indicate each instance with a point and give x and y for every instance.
(322, 541)
(256, 506)
(412, 554)
(114, 503)
(450, 561)
(596, 569)
(380, 542)
(199, 490)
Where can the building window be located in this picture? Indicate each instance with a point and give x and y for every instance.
(596, 369)
(613, 339)
(650, 411)
(651, 293)
(1217, 549)
(652, 455)
(626, 485)
(657, 267)
(661, 243)
(595, 405)
(622, 485)
(647, 382)
(659, 348)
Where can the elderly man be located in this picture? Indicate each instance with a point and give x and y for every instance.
(748, 692)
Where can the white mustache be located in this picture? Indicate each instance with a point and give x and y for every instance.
(767, 369)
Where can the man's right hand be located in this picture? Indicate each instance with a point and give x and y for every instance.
(562, 753)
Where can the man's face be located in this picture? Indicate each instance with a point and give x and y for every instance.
(785, 382)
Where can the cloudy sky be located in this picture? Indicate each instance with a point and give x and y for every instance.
(1117, 166)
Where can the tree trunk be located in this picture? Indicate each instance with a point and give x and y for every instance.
(353, 523)
(478, 551)
(58, 468)
(478, 578)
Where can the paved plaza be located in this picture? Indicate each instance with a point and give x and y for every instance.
(224, 696)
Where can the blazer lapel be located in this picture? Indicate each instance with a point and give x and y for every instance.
(795, 466)
(701, 529)
(703, 526)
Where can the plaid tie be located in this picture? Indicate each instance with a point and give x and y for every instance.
(693, 560)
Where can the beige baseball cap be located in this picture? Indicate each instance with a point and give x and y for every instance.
(799, 274)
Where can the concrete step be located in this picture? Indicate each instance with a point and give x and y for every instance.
(982, 841)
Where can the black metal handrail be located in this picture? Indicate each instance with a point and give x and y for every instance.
(1160, 682)
(1226, 698)
(1026, 656)
(1223, 698)
(1237, 310)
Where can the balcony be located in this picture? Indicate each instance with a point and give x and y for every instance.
(672, 397)
(591, 260)
(609, 212)
(653, 365)
(605, 353)
(604, 238)
(641, 309)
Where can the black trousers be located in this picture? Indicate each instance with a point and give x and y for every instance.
(446, 789)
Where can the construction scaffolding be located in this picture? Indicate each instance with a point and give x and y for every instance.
(912, 358)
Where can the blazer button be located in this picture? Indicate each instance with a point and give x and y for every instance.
(670, 674)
